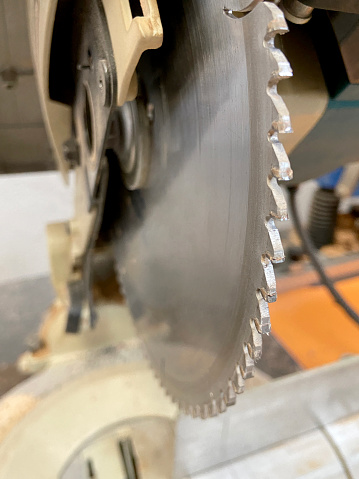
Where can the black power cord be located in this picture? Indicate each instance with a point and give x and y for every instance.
(309, 249)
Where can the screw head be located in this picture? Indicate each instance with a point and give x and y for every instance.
(71, 152)
(104, 83)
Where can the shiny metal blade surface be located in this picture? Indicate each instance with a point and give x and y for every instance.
(194, 246)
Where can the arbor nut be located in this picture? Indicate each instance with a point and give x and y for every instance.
(296, 12)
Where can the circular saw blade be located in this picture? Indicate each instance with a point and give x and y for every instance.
(195, 246)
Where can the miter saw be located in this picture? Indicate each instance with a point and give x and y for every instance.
(169, 114)
(183, 98)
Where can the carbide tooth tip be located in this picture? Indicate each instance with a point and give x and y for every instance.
(264, 321)
(267, 329)
(222, 405)
(213, 409)
(230, 396)
(247, 369)
(282, 212)
(204, 411)
(269, 292)
(274, 236)
(238, 381)
(278, 260)
(271, 298)
(283, 174)
(196, 411)
(256, 340)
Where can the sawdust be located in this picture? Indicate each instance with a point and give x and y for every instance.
(12, 409)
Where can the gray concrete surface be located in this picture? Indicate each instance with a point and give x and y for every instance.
(29, 202)
(22, 305)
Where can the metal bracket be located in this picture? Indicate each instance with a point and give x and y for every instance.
(348, 6)
(130, 38)
(300, 11)
(70, 247)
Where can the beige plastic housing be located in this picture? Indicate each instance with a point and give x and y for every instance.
(130, 38)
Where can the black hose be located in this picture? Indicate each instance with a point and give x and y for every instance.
(309, 249)
(323, 217)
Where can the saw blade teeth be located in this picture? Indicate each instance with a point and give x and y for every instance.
(189, 410)
(271, 291)
(256, 341)
(282, 70)
(230, 396)
(277, 24)
(247, 369)
(238, 380)
(282, 211)
(278, 255)
(222, 403)
(264, 322)
(282, 123)
(213, 408)
(196, 411)
(205, 411)
(283, 171)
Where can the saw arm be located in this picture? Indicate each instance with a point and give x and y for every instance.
(195, 133)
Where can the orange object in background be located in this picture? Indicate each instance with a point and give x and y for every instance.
(312, 327)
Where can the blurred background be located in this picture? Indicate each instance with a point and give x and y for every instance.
(29, 202)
